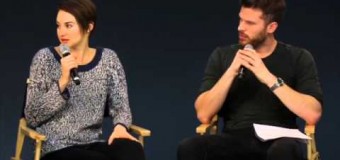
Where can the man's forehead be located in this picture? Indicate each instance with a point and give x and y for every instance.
(251, 13)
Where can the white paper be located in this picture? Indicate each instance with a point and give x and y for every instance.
(267, 132)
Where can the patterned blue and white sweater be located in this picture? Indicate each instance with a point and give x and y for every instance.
(75, 116)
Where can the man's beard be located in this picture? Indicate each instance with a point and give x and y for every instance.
(257, 41)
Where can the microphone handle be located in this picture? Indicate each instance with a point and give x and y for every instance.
(242, 69)
(241, 73)
(75, 77)
(73, 71)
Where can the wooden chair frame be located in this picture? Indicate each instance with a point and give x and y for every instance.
(312, 152)
(25, 131)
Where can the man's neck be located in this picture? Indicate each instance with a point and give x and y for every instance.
(267, 47)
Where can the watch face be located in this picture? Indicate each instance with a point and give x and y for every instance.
(278, 84)
(280, 81)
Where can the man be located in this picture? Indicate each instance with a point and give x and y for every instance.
(269, 83)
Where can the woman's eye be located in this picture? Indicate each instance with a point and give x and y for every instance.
(68, 25)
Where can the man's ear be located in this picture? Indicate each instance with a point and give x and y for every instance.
(271, 27)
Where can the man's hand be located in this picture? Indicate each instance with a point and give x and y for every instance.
(253, 62)
(235, 66)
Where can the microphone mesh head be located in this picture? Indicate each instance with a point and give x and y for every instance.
(64, 49)
(248, 46)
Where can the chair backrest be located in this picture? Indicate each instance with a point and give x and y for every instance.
(24, 99)
(24, 131)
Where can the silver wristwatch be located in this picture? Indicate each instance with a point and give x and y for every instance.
(278, 84)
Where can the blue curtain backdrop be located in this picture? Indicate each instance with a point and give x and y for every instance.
(164, 46)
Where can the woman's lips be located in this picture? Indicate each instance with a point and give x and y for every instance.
(64, 40)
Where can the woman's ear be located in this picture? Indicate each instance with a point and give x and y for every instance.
(91, 26)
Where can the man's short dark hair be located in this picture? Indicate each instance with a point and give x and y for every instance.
(273, 10)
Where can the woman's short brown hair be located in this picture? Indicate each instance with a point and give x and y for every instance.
(83, 10)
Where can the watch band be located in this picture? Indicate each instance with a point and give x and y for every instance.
(278, 84)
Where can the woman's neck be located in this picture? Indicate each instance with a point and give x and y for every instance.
(80, 53)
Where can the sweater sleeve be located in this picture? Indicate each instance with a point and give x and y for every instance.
(118, 94)
(43, 99)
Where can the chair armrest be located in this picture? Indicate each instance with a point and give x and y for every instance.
(140, 131)
(24, 131)
(309, 129)
(312, 152)
(202, 129)
(30, 132)
(208, 128)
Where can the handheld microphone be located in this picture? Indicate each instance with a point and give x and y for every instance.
(241, 72)
(65, 51)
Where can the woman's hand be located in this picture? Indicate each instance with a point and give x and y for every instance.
(120, 132)
(67, 63)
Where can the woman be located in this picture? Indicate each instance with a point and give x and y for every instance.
(71, 115)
